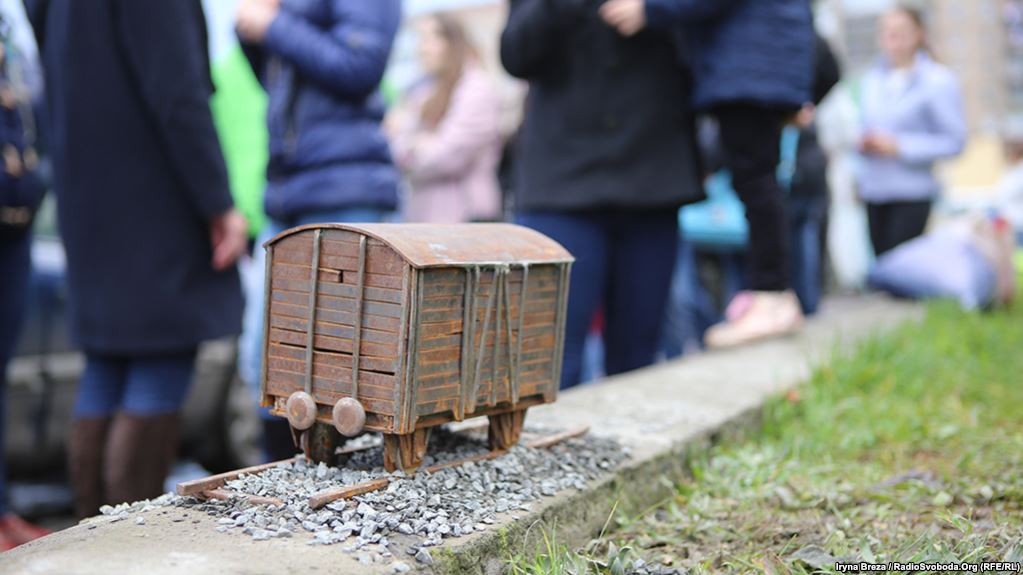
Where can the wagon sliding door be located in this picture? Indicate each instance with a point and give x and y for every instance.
(483, 347)
(353, 291)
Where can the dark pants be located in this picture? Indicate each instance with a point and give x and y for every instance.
(15, 266)
(895, 223)
(750, 137)
(624, 260)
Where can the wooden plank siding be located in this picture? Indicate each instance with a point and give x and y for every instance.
(425, 356)
(383, 303)
(439, 362)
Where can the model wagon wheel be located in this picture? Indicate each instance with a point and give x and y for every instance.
(506, 429)
(406, 451)
(320, 443)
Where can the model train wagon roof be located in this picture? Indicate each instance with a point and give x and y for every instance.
(444, 245)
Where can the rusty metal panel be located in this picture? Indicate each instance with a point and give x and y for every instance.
(452, 245)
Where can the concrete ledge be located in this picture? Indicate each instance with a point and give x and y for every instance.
(659, 413)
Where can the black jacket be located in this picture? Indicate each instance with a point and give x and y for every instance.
(608, 122)
(827, 72)
(138, 172)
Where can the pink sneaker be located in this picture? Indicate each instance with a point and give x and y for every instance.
(739, 305)
(754, 316)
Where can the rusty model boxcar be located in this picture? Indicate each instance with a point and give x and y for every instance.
(396, 328)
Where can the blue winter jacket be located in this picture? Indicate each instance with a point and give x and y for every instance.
(321, 63)
(754, 51)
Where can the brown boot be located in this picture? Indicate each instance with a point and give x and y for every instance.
(140, 452)
(85, 464)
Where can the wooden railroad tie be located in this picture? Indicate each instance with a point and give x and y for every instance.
(199, 487)
(211, 487)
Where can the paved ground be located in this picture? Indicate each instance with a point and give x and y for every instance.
(656, 412)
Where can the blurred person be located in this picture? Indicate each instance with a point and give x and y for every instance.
(803, 174)
(848, 243)
(148, 224)
(21, 193)
(446, 133)
(606, 156)
(1010, 187)
(753, 70)
(912, 117)
(321, 62)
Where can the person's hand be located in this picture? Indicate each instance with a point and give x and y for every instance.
(880, 145)
(254, 18)
(626, 16)
(229, 238)
(804, 118)
(397, 121)
(423, 141)
(12, 161)
(7, 98)
(31, 159)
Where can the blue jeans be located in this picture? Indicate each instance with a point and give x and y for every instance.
(691, 309)
(250, 353)
(623, 261)
(806, 225)
(15, 266)
(139, 385)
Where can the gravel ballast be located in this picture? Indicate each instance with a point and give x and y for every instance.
(399, 523)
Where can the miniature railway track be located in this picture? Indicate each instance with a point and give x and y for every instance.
(212, 487)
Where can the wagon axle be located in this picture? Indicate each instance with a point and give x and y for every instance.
(319, 441)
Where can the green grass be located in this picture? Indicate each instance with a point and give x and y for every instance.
(909, 450)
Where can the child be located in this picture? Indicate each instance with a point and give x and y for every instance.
(753, 69)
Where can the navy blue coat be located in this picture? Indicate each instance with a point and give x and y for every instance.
(321, 63)
(755, 51)
(608, 123)
(138, 172)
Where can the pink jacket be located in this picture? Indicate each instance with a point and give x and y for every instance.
(452, 171)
